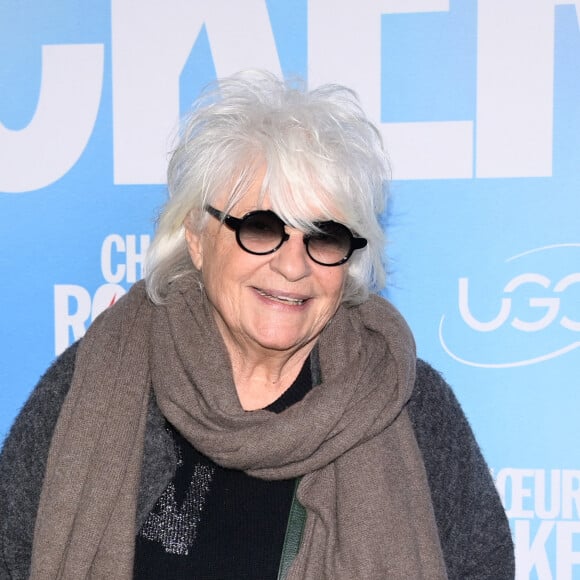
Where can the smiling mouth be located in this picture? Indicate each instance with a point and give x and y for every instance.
(282, 299)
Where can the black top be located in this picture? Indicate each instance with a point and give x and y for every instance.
(213, 523)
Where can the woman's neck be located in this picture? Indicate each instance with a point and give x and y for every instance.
(262, 380)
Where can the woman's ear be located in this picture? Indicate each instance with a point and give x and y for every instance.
(194, 245)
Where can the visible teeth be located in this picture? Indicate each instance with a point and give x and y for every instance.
(283, 299)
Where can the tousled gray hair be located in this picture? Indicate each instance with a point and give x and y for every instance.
(322, 157)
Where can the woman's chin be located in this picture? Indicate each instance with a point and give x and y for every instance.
(278, 339)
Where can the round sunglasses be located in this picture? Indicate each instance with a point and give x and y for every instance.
(262, 232)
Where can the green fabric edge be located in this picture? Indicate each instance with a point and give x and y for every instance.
(293, 538)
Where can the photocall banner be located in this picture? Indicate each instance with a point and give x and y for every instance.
(479, 106)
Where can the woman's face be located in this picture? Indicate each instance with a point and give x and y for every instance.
(277, 302)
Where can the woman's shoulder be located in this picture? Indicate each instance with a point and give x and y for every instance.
(433, 399)
(442, 430)
(54, 384)
(40, 412)
(22, 464)
(428, 382)
(29, 437)
(473, 528)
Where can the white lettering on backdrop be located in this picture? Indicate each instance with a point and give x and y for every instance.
(549, 305)
(544, 507)
(515, 85)
(530, 301)
(54, 140)
(75, 307)
(151, 43)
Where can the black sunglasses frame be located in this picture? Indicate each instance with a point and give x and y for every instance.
(235, 224)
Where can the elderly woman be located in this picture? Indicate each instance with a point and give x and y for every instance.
(254, 409)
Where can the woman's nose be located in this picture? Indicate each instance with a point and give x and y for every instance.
(291, 259)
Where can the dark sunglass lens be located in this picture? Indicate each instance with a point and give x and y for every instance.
(261, 232)
(330, 244)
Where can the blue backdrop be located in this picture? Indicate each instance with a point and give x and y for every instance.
(479, 104)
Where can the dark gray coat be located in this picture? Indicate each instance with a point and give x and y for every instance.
(473, 528)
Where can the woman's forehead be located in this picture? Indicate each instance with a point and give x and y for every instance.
(298, 198)
(292, 207)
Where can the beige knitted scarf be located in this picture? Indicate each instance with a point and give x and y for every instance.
(369, 511)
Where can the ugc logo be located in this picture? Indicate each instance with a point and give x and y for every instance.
(532, 315)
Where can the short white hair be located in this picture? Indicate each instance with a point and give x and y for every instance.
(320, 153)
